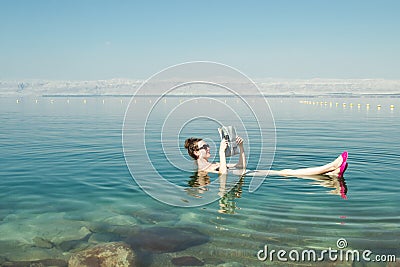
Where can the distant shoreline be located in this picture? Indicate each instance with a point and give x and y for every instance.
(271, 88)
(230, 96)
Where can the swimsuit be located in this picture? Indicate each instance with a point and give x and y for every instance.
(236, 171)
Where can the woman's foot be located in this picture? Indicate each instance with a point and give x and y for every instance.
(344, 156)
(344, 164)
(340, 165)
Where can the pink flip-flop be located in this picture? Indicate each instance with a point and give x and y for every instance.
(344, 164)
(344, 156)
(343, 168)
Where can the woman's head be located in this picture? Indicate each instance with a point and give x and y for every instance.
(197, 148)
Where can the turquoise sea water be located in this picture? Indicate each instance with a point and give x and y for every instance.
(65, 184)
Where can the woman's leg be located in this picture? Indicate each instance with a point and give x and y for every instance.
(327, 168)
(332, 168)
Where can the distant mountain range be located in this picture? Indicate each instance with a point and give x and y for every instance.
(310, 87)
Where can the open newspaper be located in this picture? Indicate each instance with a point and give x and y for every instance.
(229, 133)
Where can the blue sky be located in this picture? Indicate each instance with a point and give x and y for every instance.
(86, 40)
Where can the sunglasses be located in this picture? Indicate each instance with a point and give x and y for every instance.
(205, 146)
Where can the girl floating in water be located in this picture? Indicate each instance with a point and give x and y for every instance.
(199, 150)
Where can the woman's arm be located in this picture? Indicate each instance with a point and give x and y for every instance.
(242, 157)
(222, 158)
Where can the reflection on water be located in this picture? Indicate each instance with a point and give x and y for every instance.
(199, 182)
(338, 184)
(228, 203)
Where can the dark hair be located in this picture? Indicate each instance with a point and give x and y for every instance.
(191, 146)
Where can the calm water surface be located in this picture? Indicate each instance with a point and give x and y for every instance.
(64, 180)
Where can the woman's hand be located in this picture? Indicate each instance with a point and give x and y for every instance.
(223, 145)
(239, 141)
(242, 157)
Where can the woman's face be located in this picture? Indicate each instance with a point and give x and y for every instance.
(204, 149)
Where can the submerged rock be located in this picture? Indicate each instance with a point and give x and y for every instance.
(187, 261)
(42, 243)
(231, 264)
(121, 220)
(104, 255)
(73, 245)
(52, 227)
(37, 263)
(154, 216)
(116, 230)
(213, 261)
(2, 259)
(103, 238)
(82, 234)
(69, 245)
(15, 252)
(165, 239)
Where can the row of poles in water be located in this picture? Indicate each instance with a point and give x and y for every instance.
(321, 103)
(344, 105)
(84, 101)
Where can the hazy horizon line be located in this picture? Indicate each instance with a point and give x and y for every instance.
(142, 79)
